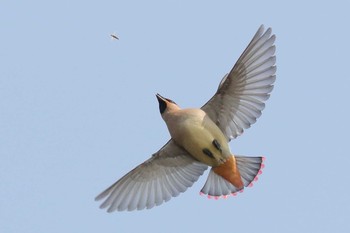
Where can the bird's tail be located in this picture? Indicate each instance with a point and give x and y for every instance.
(232, 176)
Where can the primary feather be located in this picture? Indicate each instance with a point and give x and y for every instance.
(240, 97)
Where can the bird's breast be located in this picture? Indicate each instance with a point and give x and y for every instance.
(193, 130)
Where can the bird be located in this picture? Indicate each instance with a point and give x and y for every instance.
(200, 138)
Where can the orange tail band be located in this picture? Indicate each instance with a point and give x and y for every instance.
(230, 172)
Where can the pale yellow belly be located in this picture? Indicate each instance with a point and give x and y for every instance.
(197, 136)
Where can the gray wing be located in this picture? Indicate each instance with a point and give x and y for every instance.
(166, 174)
(240, 97)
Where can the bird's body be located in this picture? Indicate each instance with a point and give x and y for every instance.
(193, 130)
(200, 137)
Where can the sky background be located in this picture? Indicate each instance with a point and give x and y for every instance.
(78, 110)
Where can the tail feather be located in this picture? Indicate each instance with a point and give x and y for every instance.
(217, 186)
(249, 168)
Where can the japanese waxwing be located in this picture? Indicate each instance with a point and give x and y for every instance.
(200, 137)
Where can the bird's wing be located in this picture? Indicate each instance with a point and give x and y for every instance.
(240, 97)
(166, 174)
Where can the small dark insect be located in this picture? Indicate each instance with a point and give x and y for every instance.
(114, 37)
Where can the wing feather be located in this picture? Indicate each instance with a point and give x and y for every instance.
(166, 174)
(240, 97)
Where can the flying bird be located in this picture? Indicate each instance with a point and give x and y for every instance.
(200, 137)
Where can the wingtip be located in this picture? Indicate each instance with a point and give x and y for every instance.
(109, 210)
(268, 31)
(98, 198)
(261, 30)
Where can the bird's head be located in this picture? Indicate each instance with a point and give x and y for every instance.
(166, 105)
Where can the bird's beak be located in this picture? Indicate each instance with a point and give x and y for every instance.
(160, 98)
(162, 103)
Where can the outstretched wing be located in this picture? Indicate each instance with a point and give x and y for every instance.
(166, 174)
(240, 97)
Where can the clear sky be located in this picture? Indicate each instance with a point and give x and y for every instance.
(78, 110)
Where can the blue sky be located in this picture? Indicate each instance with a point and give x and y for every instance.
(78, 110)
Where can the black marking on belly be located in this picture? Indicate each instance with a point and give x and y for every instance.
(207, 152)
(217, 145)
